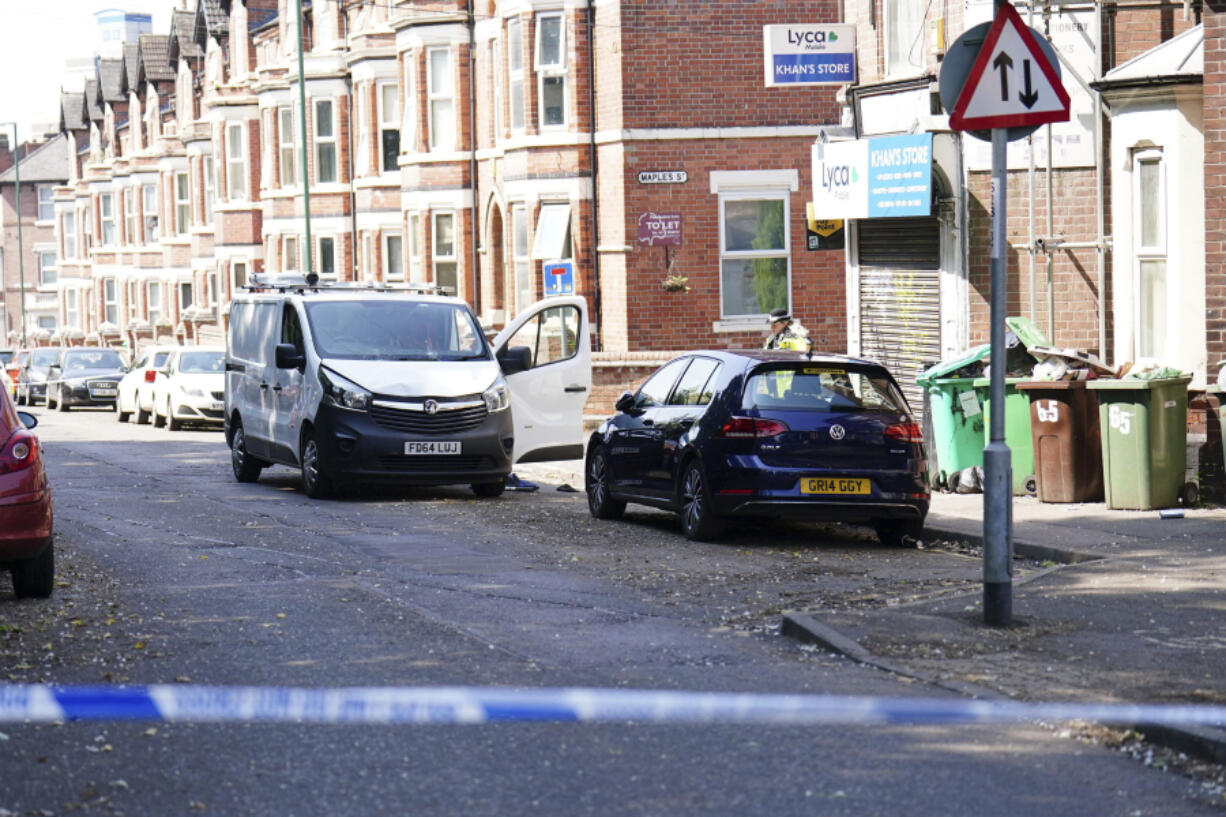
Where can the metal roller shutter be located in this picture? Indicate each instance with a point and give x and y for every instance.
(900, 297)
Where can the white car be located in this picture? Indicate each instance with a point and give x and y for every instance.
(136, 388)
(192, 389)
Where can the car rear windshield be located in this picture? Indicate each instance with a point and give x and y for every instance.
(92, 359)
(395, 330)
(202, 362)
(821, 388)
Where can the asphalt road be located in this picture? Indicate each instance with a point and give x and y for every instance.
(172, 572)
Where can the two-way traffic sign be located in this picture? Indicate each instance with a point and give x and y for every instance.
(1012, 83)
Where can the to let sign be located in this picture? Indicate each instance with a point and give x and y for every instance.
(660, 229)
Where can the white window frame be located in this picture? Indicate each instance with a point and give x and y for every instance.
(235, 284)
(1143, 253)
(496, 75)
(133, 301)
(210, 186)
(183, 202)
(190, 288)
(759, 194)
(412, 248)
(915, 43)
(46, 204)
(72, 315)
(129, 215)
(68, 233)
(515, 75)
(322, 142)
(110, 300)
(387, 123)
(44, 268)
(443, 95)
(319, 256)
(550, 70)
(287, 156)
(435, 256)
(388, 237)
(553, 224)
(287, 242)
(149, 200)
(106, 218)
(237, 183)
(154, 306)
(521, 258)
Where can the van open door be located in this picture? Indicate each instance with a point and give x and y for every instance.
(547, 398)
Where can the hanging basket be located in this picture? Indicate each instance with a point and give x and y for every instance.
(675, 283)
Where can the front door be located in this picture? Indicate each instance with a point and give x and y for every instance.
(547, 399)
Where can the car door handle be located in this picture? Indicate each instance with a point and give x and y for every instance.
(276, 388)
(263, 385)
(649, 422)
(575, 388)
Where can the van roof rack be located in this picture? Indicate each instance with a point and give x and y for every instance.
(297, 282)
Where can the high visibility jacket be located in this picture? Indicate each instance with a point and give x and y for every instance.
(789, 338)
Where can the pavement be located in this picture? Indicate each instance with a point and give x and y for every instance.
(1115, 606)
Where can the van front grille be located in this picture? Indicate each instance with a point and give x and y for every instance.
(418, 422)
(434, 463)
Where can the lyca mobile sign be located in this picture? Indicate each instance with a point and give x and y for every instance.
(809, 55)
(873, 178)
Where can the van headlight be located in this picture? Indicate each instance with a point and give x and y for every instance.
(343, 393)
(498, 396)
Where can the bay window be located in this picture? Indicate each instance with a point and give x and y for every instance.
(325, 141)
(551, 69)
(441, 86)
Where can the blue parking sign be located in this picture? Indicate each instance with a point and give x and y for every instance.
(559, 277)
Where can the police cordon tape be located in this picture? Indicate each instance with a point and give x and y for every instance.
(35, 703)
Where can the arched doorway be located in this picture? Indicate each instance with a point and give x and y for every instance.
(496, 284)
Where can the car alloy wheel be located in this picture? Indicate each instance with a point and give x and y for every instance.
(246, 468)
(600, 500)
(314, 483)
(697, 520)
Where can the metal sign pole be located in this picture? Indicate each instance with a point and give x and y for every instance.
(997, 465)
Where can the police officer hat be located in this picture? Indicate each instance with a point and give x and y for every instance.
(780, 314)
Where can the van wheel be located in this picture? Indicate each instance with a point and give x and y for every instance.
(35, 578)
(489, 490)
(314, 483)
(172, 423)
(698, 521)
(600, 501)
(246, 467)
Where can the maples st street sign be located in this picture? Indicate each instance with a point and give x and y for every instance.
(1012, 82)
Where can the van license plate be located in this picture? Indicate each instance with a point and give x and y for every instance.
(432, 448)
(835, 485)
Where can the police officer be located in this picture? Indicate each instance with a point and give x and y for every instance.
(787, 333)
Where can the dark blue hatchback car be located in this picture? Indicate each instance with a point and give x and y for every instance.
(721, 434)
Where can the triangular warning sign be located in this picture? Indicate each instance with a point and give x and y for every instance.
(1012, 83)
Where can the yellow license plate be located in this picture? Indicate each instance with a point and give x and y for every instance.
(836, 485)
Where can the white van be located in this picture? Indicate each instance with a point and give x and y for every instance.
(365, 384)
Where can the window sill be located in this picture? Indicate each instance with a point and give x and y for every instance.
(731, 325)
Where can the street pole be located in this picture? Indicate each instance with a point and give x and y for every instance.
(21, 261)
(997, 466)
(302, 131)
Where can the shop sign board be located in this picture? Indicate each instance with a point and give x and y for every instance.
(882, 177)
(798, 55)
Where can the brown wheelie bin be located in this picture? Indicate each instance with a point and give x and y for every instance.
(1064, 428)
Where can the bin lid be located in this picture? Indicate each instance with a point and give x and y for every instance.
(1136, 384)
(953, 364)
(1009, 381)
(1027, 332)
(1052, 385)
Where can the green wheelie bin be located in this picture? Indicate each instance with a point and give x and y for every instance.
(1144, 427)
(1017, 430)
(956, 415)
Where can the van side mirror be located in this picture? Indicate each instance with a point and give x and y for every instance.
(515, 359)
(287, 357)
(27, 419)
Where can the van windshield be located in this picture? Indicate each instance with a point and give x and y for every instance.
(395, 330)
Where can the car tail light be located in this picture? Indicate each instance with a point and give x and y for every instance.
(151, 375)
(18, 451)
(905, 432)
(751, 427)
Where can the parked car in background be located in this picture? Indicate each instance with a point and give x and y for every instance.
(716, 435)
(84, 376)
(8, 385)
(32, 378)
(136, 389)
(25, 505)
(192, 388)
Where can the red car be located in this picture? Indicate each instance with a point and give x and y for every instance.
(25, 505)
